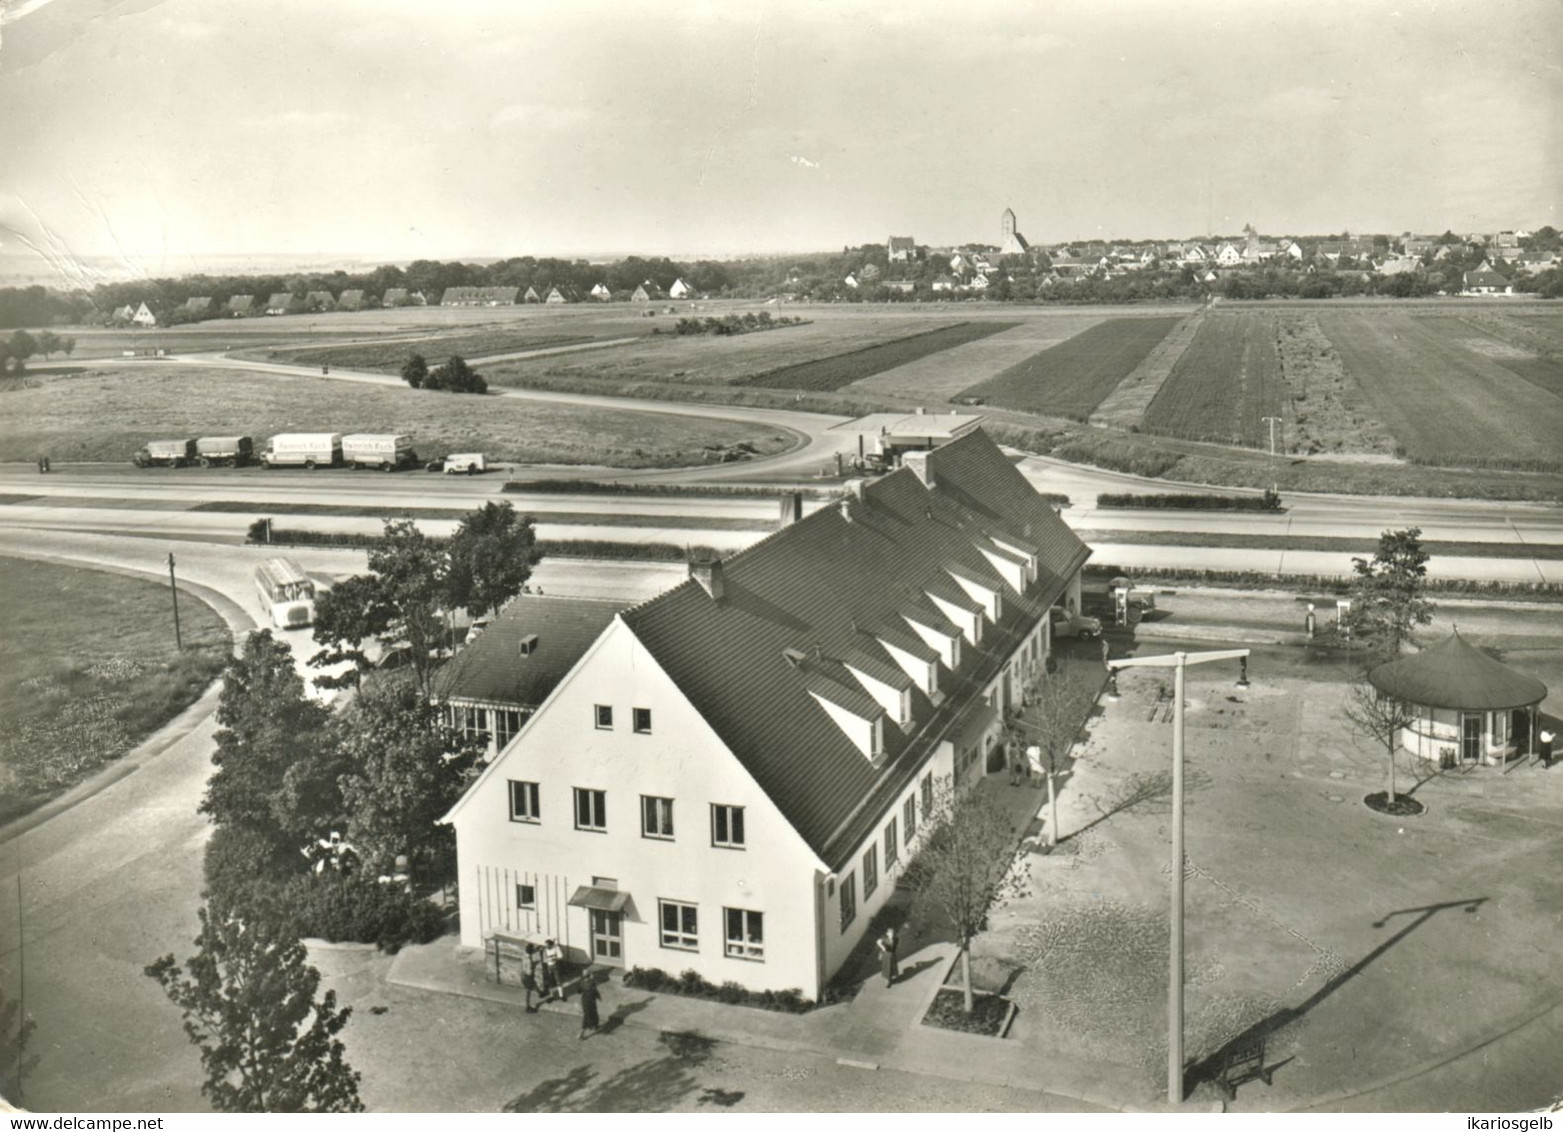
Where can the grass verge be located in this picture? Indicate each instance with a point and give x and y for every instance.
(1547, 551)
(88, 669)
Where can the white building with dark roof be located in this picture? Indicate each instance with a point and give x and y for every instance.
(732, 776)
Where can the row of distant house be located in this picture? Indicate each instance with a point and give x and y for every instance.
(353, 299)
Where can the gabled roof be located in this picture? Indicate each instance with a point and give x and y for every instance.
(351, 299)
(198, 304)
(902, 243)
(280, 301)
(241, 302)
(393, 295)
(827, 588)
(493, 669)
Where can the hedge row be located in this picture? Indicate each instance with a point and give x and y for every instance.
(1269, 501)
(561, 548)
(693, 985)
(1323, 583)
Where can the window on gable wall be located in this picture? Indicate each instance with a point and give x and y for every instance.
(892, 845)
(848, 894)
(870, 871)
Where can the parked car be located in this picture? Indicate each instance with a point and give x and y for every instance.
(465, 463)
(1082, 625)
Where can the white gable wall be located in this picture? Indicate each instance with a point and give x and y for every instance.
(682, 759)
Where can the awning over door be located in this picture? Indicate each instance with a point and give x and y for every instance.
(599, 899)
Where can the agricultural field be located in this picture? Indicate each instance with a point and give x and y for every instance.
(1071, 379)
(74, 697)
(713, 360)
(107, 415)
(941, 376)
(1518, 354)
(1225, 383)
(387, 354)
(828, 374)
(1444, 402)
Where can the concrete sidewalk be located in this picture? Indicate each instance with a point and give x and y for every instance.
(879, 1028)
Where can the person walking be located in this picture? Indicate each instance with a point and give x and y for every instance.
(529, 976)
(1546, 738)
(589, 999)
(553, 962)
(886, 946)
(1017, 762)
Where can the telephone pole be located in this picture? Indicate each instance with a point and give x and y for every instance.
(1272, 422)
(173, 588)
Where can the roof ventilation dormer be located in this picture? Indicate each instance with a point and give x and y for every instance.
(918, 462)
(708, 572)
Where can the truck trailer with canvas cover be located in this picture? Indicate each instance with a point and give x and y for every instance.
(387, 451)
(224, 451)
(303, 450)
(165, 454)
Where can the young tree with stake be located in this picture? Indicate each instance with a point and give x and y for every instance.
(968, 865)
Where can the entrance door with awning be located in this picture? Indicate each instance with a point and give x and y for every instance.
(605, 909)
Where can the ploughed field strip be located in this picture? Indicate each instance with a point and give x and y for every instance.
(1125, 406)
(1444, 402)
(942, 376)
(829, 374)
(1071, 379)
(1224, 385)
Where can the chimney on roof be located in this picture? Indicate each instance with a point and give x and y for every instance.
(918, 462)
(791, 509)
(708, 572)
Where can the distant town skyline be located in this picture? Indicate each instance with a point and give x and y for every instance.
(161, 131)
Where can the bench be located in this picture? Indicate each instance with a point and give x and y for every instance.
(1243, 1062)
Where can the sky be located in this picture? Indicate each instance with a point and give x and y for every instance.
(156, 129)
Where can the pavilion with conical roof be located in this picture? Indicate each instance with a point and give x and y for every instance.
(1470, 707)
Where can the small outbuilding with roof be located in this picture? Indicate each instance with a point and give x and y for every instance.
(1470, 708)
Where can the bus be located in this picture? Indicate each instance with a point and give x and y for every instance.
(286, 593)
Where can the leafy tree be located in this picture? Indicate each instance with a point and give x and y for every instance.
(48, 342)
(348, 614)
(491, 557)
(1386, 593)
(409, 768)
(68, 345)
(268, 730)
(968, 865)
(400, 601)
(1055, 706)
(415, 371)
(1379, 718)
(267, 1043)
(15, 1062)
(462, 378)
(20, 346)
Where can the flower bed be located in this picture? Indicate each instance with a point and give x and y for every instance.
(694, 985)
(1401, 807)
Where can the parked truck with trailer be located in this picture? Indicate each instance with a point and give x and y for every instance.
(165, 454)
(387, 451)
(303, 450)
(224, 451)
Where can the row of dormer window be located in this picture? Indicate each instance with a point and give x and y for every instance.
(656, 814)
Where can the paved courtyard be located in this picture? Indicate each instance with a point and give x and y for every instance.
(1366, 946)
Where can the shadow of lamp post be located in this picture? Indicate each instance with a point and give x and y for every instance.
(1178, 661)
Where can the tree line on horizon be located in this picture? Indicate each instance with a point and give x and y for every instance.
(815, 277)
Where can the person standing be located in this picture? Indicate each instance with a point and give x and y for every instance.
(886, 946)
(589, 999)
(553, 963)
(1546, 738)
(1034, 765)
(529, 973)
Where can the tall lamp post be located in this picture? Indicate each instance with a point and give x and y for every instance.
(1178, 661)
